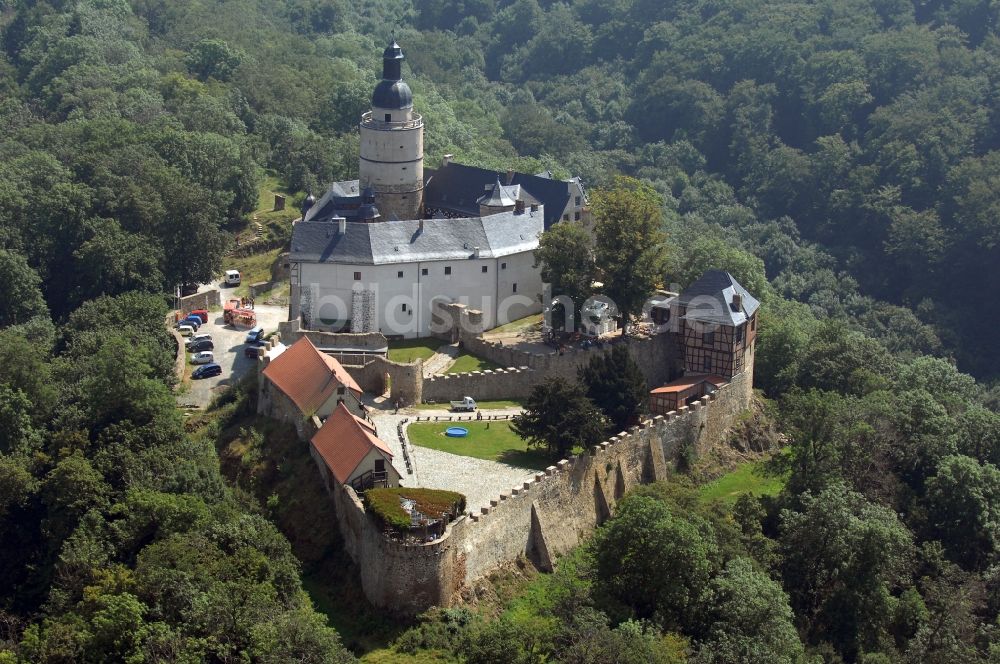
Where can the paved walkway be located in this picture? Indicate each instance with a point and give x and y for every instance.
(480, 480)
(441, 361)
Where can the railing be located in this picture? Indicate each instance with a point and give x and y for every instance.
(369, 121)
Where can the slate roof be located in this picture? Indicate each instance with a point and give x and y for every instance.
(710, 300)
(307, 376)
(342, 199)
(344, 441)
(388, 242)
(499, 196)
(457, 187)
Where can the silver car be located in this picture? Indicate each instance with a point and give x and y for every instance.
(204, 357)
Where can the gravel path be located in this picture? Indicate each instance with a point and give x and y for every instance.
(441, 360)
(478, 479)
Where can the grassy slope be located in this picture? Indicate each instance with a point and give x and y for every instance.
(519, 325)
(496, 443)
(409, 350)
(748, 478)
(466, 363)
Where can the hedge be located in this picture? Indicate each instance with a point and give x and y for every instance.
(435, 503)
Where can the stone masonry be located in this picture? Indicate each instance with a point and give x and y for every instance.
(542, 518)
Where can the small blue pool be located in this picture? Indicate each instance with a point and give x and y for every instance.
(456, 432)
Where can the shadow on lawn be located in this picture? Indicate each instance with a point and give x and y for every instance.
(532, 459)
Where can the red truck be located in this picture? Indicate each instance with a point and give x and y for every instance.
(235, 314)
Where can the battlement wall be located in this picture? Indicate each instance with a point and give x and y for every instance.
(541, 519)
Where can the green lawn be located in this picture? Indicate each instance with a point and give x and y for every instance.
(496, 443)
(748, 478)
(464, 363)
(483, 405)
(408, 350)
(519, 325)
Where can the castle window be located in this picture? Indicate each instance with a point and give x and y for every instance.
(340, 390)
(357, 276)
(566, 217)
(485, 269)
(753, 323)
(576, 216)
(423, 271)
(708, 338)
(739, 334)
(399, 275)
(577, 201)
(404, 307)
(503, 266)
(708, 364)
(447, 269)
(388, 117)
(515, 288)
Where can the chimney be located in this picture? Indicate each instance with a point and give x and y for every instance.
(445, 160)
(341, 226)
(420, 228)
(510, 176)
(534, 207)
(475, 252)
(519, 206)
(737, 301)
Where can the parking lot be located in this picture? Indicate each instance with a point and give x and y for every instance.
(229, 346)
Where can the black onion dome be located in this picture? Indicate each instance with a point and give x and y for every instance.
(392, 92)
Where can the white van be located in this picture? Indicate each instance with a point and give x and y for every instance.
(233, 278)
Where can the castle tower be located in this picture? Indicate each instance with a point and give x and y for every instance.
(392, 144)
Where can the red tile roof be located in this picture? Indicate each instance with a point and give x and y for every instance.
(344, 441)
(307, 376)
(688, 382)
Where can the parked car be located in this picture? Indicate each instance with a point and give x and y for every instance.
(200, 313)
(193, 321)
(185, 330)
(233, 278)
(207, 371)
(255, 335)
(204, 344)
(201, 336)
(467, 404)
(203, 357)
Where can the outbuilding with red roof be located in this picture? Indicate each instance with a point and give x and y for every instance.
(302, 382)
(348, 451)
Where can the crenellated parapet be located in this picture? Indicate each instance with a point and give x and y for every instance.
(540, 519)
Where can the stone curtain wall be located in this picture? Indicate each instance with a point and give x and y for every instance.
(511, 383)
(657, 356)
(541, 519)
(207, 300)
(291, 331)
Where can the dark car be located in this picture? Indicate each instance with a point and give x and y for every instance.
(193, 321)
(207, 371)
(198, 346)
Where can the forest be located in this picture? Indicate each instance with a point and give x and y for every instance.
(840, 157)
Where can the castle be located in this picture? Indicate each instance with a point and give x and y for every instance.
(378, 254)
(387, 254)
